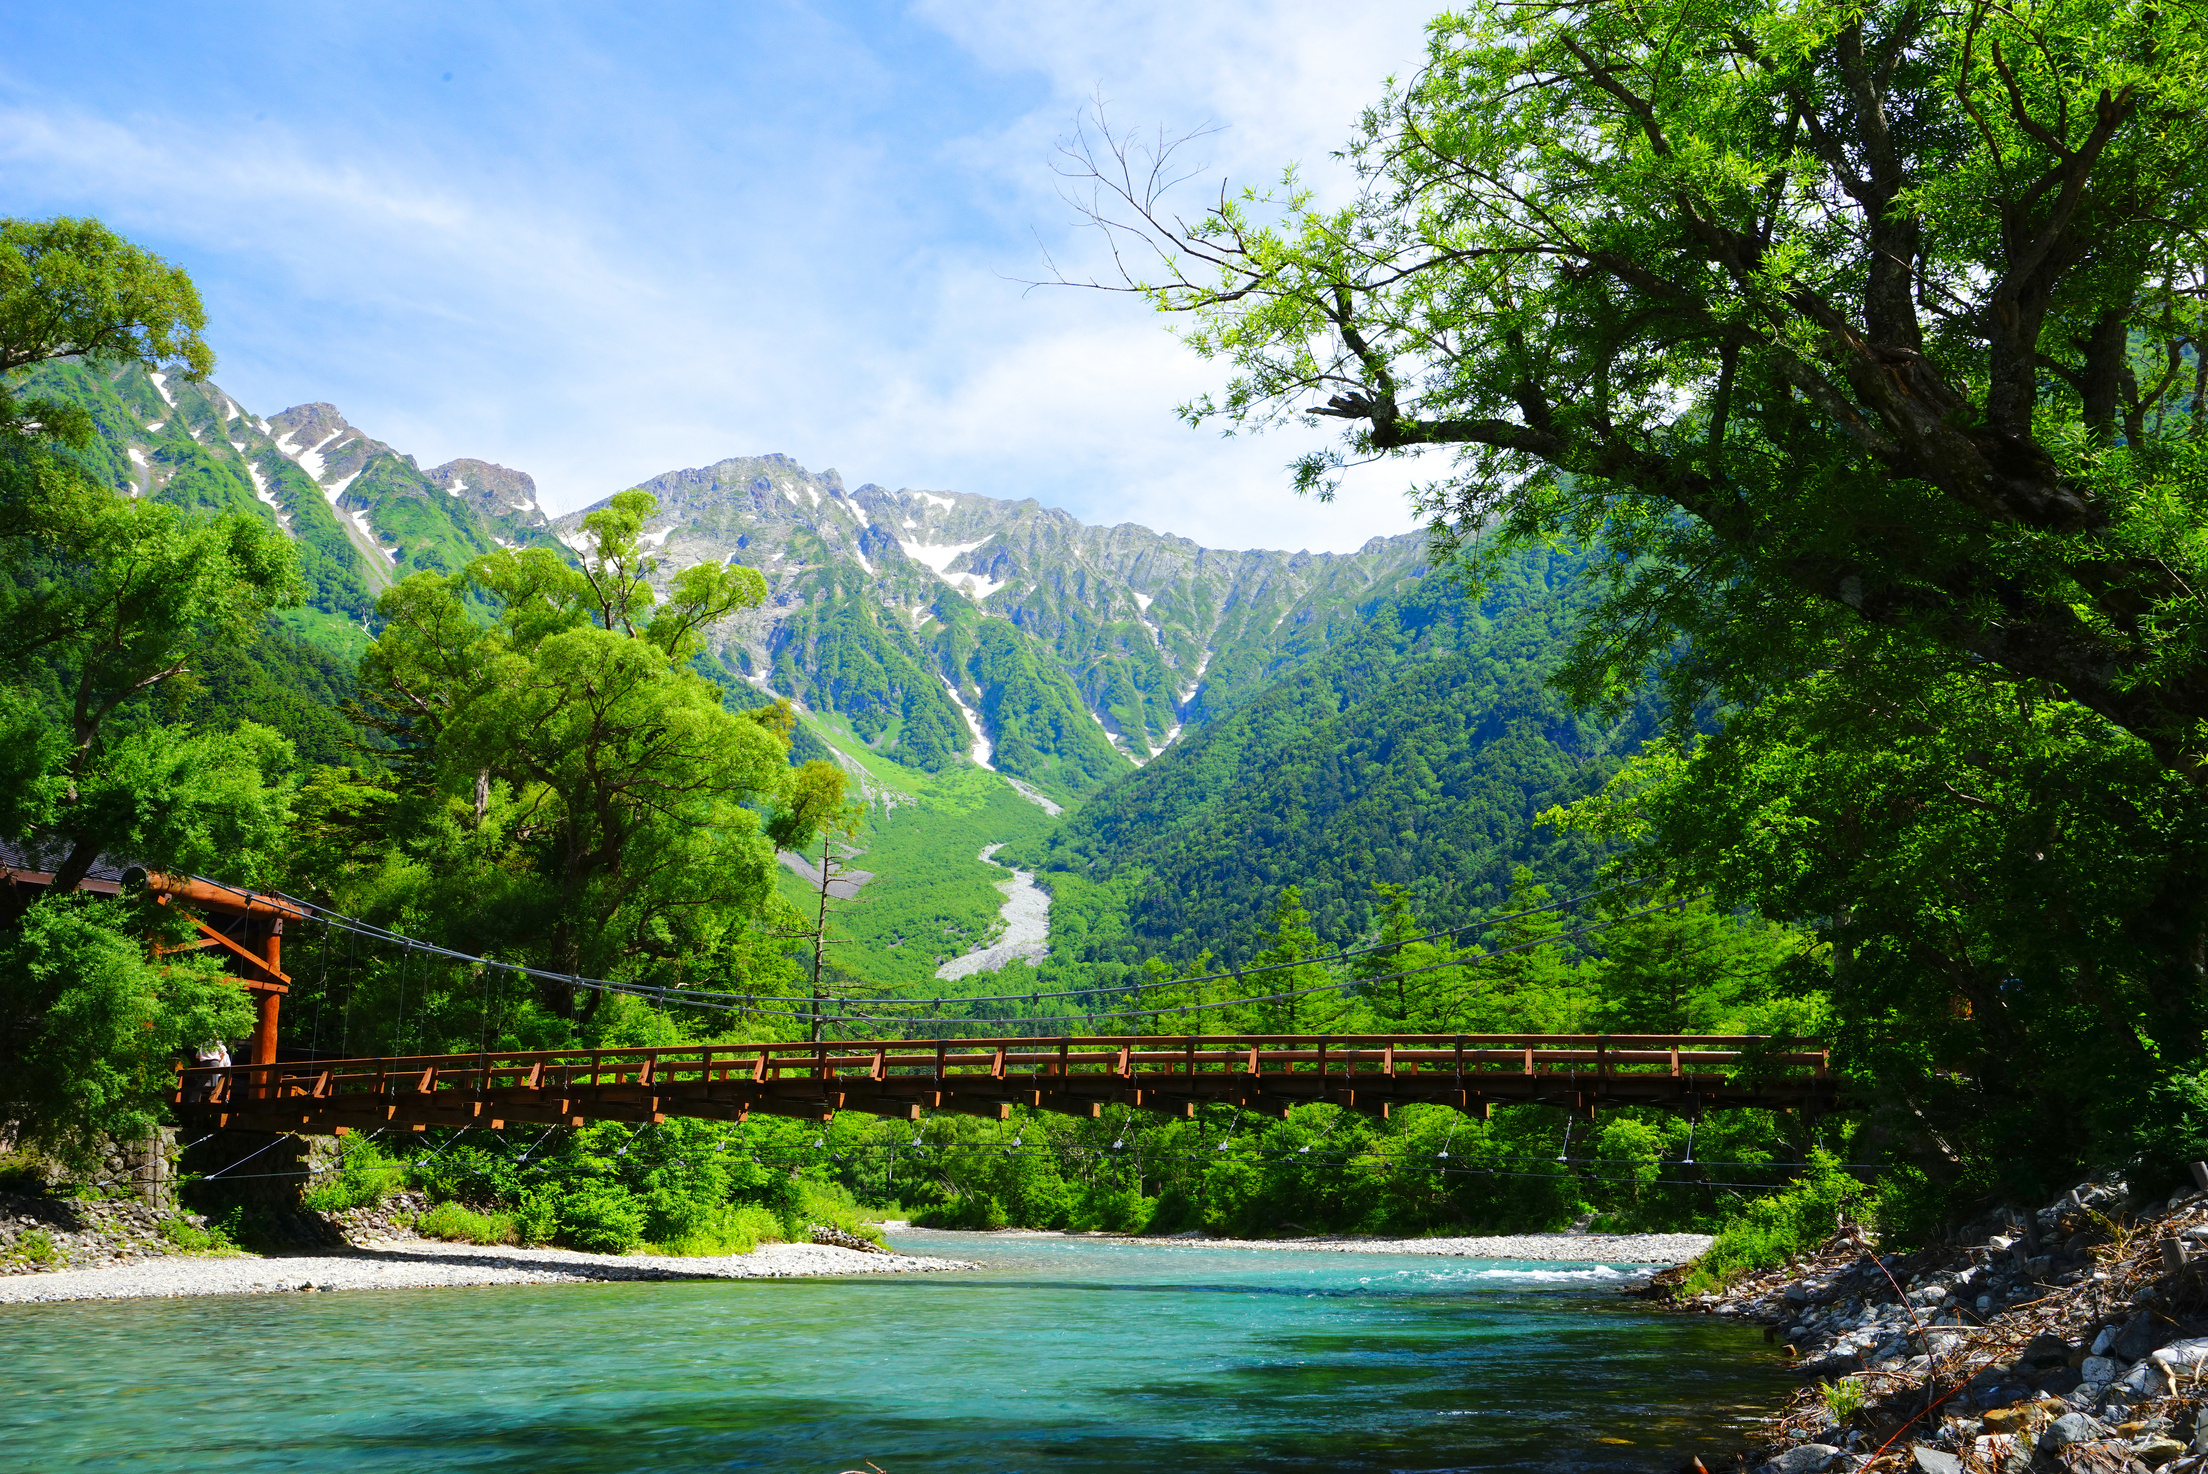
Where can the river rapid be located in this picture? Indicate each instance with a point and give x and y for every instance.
(1067, 1354)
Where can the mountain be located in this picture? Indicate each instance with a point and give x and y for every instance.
(361, 513)
(940, 623)
(1417, 751)
(1166, 734)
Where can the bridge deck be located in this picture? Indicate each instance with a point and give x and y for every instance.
(1372, 1074)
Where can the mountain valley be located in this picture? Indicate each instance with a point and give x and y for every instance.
(1166, 734)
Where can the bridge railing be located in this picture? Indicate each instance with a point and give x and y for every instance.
(535, 1072)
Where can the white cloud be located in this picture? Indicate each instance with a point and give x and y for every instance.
(667, 275)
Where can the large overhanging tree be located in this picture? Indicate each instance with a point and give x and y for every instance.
(1814, 311)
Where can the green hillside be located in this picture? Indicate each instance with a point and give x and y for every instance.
(1416, 751)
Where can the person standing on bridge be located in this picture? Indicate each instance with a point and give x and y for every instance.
(209, 1057)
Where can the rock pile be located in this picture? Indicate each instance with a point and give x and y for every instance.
(2074, 1339)
(39, 1233)
(393, 1218)
(826, 1234)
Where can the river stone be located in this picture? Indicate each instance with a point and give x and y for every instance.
(2099, 1369)
(2068, 1429)
(1932, 1460)
(1803, 1458)
(2145, 1378)
(2105, 1341)
(2157, 1451)
(2182, 1358)
(2136, 1338)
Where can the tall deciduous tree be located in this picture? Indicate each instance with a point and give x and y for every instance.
(605, 803)
(1816, 311)
(106, 601)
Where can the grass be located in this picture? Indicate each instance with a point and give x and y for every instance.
(35, 1246)
(216, 1238)
(1771, 1230)
(932, 895)
(456, 1224)
(730, 1230)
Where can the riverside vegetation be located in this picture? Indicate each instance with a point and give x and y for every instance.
(1819, 563)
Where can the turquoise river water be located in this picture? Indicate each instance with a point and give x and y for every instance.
(1065, 1354)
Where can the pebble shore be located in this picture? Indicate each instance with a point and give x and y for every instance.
(1603, 1248)
(429, 1264)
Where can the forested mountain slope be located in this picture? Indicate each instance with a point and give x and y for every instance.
(941, 623)
(1237, 721)
(361, 514)
(1417, 751)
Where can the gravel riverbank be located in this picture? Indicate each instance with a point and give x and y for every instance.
(1604, 1248)
(429, 1263)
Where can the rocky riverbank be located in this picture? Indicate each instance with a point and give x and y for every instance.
(1602, 1248)
(432, 1264)
(40, 1234)
(2074, 1338)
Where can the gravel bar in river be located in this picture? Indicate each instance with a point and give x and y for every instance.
(1602, 1248)
(427, 1263)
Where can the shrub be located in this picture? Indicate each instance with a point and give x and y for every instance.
(464, 1225)
(365, 1176)
(36, 1246)
(1773, 1229)
(831, 1203)
(601, 1218)
(537, 1220)
(216, 1238)
(727, 1229)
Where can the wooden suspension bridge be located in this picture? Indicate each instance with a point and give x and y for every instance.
(1079, 1076)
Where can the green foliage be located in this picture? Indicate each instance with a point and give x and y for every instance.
(365, 1176)
(1843, 1399)
(74, 289)
(465, 1226)
(1773, 1229)
(1416, 752)
(1998, 886)
(568, 789)
(220, 1236)
(34, 1247)
(601, 1218)
(90, 1026)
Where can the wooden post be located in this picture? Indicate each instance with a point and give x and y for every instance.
(266, 1005)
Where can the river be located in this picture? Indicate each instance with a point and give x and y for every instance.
(1065, 1354)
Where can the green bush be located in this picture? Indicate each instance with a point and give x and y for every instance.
(365, 1176)
(726, 1229)
(1771, 1230)
(36, 1246)
(601, 1218)
(218, 1237)
(829, 1203)
(537, 1218)
(464, 1225)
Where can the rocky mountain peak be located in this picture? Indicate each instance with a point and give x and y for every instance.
(499, 493)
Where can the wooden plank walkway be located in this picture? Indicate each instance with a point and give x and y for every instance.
(1372, 1074)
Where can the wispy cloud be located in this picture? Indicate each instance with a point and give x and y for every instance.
(605, 250)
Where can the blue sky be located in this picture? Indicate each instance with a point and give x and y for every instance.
(601, 242)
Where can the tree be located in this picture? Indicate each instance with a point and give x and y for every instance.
(2005, 886)
(598, 806)
(1815, 313)
(108, 603)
